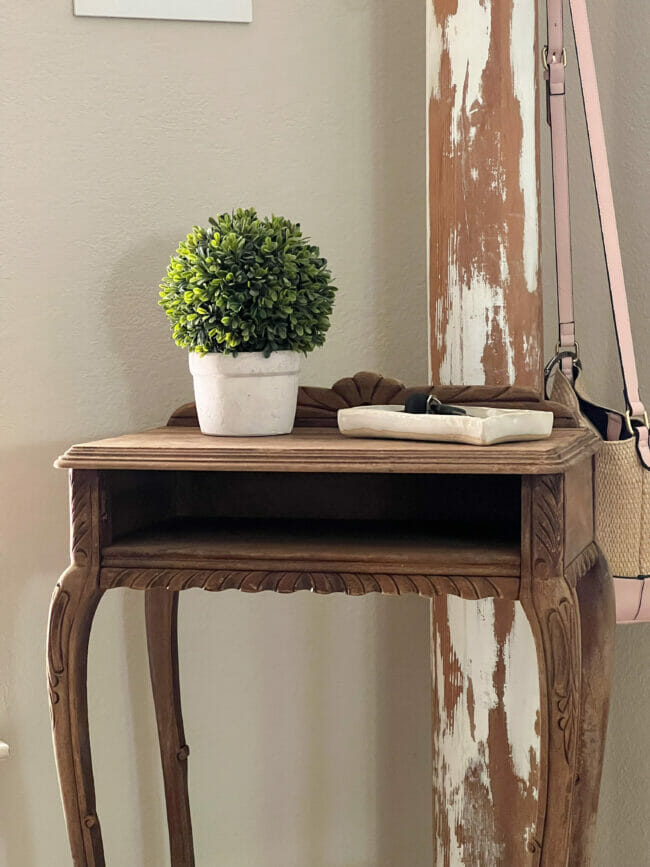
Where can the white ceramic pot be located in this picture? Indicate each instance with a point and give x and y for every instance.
(247, 394)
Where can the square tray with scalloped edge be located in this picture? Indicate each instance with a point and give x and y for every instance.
(481, 426)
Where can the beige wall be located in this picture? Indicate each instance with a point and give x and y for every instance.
(308, 718)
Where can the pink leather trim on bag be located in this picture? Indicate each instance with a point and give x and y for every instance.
(555, 60)
(632, 599)
(632, 596)
(643, 446)
(554, 63)
(614, 426)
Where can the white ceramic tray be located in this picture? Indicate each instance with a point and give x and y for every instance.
(482, 426)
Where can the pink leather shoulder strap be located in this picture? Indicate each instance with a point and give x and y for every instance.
(555, 62)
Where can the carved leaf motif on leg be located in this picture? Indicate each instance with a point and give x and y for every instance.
(564, 635)
(55, 665)
(547, 527)
(73, 605)
(80, 516)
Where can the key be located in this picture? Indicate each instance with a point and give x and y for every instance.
(428, 404)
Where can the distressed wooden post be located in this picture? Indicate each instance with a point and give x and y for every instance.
(483, 179)
(485, 329)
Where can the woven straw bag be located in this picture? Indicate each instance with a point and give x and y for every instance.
(622, 508)
(622, 466)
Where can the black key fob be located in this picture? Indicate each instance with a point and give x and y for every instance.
(428, 404)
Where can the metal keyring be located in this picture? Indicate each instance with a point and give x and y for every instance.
(432, 400)
(557, 359)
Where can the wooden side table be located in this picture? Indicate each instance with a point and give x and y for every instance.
(170, 509)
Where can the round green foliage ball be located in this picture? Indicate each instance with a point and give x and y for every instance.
(248, 284)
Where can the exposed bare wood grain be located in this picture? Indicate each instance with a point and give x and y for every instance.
(551, 605)
(74, 602)
(322, 450)
(161, 617)
(327, 546)
(321, 583)
(511, 544)
(483, 180)
(572, 613)
(595, 590)
(582, 564)
(485, 329)
(484, 809)
(580, 528)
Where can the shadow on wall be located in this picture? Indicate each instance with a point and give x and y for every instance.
(152, 368)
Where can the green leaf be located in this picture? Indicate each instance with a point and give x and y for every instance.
(247, 284)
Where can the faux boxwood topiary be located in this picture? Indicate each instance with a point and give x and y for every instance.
(248, 284)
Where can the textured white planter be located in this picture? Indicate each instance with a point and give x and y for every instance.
(247, 394)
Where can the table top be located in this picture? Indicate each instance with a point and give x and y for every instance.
(326, 450)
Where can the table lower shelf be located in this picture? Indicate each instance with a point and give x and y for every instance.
(354, 557)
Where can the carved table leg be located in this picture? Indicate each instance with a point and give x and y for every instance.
(595, 591)
(571, 611)
(551, 604)
(161, 613)
(74, 602)
(71, 613)
(555, 622)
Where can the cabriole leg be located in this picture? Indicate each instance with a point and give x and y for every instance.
(595, 591)
(161, 613)
(73, 607)
(550, 601)
(71, 614)
(555, 621)
(570, 607)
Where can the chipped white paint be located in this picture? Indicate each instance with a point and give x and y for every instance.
(467, 38)
(521, 694)
(434, 53)
(471, 315)
(524, 24)
(521, 700)
(531, 350)
(462, 755)
(471, 307)
(461, 743)
(474, 307)
(503, 263)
